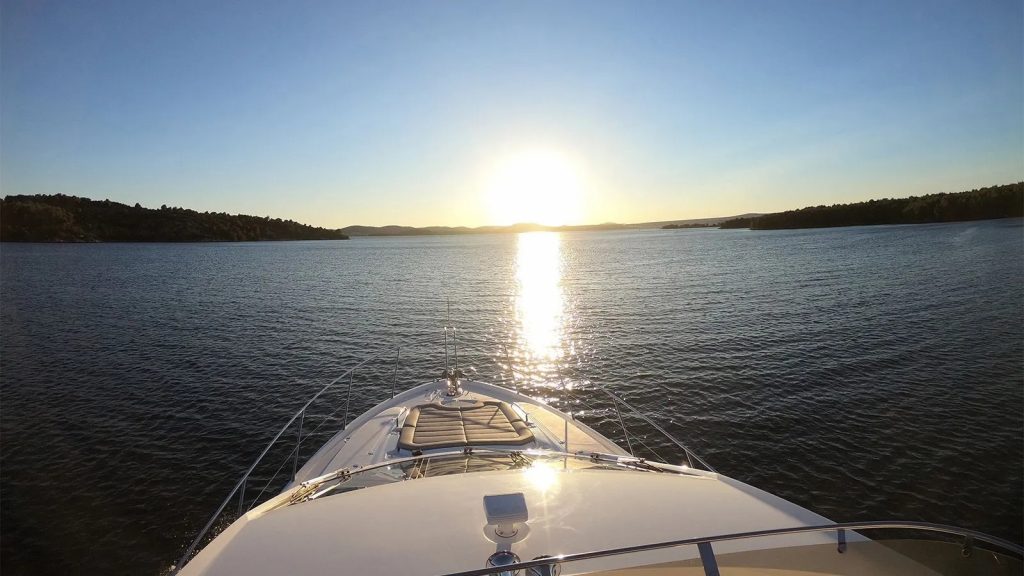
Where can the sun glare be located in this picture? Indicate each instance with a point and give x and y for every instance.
(537, 186)
(539, 302)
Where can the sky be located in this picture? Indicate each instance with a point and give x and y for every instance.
(472, 113)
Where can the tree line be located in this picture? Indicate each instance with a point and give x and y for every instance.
(1006, 201)
(691, 225)
(60, 218)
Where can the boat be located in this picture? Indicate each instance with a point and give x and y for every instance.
(460, 476)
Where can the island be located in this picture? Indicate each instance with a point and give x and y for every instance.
(1005, 201)
(682, 226)
(60, 218)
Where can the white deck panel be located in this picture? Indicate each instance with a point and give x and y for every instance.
(436, 525)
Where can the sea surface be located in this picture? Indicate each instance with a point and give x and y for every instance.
(864, 373)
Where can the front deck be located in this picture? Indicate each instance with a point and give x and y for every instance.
(403, 490)
(387, 431)
(437, 524)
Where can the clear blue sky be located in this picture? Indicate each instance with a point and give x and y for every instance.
(338, 113)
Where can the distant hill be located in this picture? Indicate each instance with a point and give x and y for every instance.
(60, 218)
(393, 230)
(691, 222)
(685, 226)
(1006, 201)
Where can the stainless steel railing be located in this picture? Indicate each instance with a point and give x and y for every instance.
(488, 347)
(240, 486)
(312, 485)
(310, 488)
(710, 563)
(693, 459)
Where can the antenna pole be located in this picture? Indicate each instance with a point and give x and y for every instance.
(447, 324)
(455, 339)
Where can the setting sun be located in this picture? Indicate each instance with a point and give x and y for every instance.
(538, 186)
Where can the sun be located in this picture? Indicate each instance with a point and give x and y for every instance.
(539, 186)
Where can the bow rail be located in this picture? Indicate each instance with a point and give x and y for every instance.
(494, 353)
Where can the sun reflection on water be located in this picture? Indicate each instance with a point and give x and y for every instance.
(540, 302)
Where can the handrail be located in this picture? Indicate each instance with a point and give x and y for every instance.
(586, 456)
(202, 533)
(690, 454)
(839, 527)
(239, 487)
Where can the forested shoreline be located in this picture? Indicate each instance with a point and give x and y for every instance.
(1006, 201)
(60, 218)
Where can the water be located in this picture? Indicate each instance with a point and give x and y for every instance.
(865, 373)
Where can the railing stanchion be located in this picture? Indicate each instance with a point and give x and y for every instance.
(707, 558)
(568, 406)
(348, 399)
(394, 383)
(623, 425)
(241, 496)
(508, 360)
(967, 548)
(298, 442)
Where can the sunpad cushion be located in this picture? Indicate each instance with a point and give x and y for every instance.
(485, 424)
